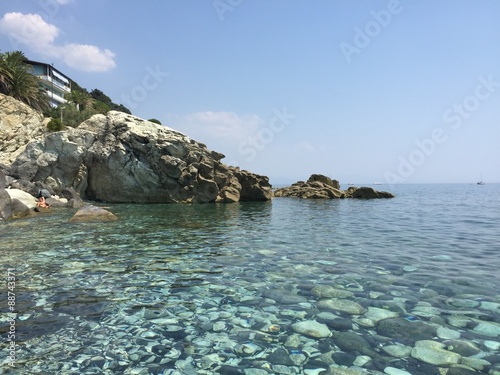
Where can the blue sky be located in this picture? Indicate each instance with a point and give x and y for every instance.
(397, 91)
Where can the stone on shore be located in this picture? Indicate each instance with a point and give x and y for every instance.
(90, 213)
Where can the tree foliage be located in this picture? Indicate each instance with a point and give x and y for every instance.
(17, 81)
(99, 96)
(55, 125)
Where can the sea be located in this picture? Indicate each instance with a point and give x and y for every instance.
(409, 285)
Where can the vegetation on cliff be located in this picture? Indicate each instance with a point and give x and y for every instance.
(17, 81)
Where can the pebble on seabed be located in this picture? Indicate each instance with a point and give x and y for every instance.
(201, 326)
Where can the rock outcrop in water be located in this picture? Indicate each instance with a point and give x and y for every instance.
(118, 158)
(323, 187)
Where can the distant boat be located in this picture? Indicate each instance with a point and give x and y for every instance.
(377, 183)
(481, 182)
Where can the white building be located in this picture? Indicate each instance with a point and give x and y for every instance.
(52, 81)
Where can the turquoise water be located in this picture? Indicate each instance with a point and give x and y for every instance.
(209, 289)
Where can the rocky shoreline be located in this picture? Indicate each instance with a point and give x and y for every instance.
(116, 158)
(120, 158)
(323, 187)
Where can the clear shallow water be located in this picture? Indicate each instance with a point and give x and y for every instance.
(186, 289)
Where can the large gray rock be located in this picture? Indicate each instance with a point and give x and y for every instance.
(27, 199)
(317, 187)
(366, 192)
(322, 187)
(121, 158)
(19, 125)
(5, 205)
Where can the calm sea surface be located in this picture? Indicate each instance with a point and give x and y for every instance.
(209, 289)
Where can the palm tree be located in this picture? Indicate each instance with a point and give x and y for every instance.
(17, 81)
(5, 76)
(81, 98)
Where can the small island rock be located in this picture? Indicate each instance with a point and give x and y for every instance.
(322, 187)
(90, 213)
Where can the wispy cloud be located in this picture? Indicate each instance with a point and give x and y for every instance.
(31, 31)
(228, 126)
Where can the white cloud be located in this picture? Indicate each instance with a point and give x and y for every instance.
(90, 57)
(216, 125)
(220, 131)
(28, 29)
(33, 32)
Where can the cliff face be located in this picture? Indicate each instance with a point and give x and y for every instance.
(19, 124)
(121, 158)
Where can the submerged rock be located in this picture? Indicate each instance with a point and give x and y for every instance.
(90, 213)
(312, 328)
(352, 342)
(433, 352)
(402, 329)
(349, 307)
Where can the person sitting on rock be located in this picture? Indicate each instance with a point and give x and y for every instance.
(42, 203)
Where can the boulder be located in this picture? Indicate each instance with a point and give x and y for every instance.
(73, 198)
(316, 187)
(27, 199)
(20, 209)
(322, 187)
(365, 192)
(5, 205)
(121, 158)
(325, 180)
(90, 213)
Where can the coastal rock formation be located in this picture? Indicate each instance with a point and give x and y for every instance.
(19, 124)
(323, 187)
(316, 187)
(121, 158)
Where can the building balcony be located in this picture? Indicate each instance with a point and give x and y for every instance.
(48, 81)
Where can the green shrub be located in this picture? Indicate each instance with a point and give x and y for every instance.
(55, 125)
(155, 121)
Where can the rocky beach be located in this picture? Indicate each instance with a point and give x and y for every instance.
(312, 282)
